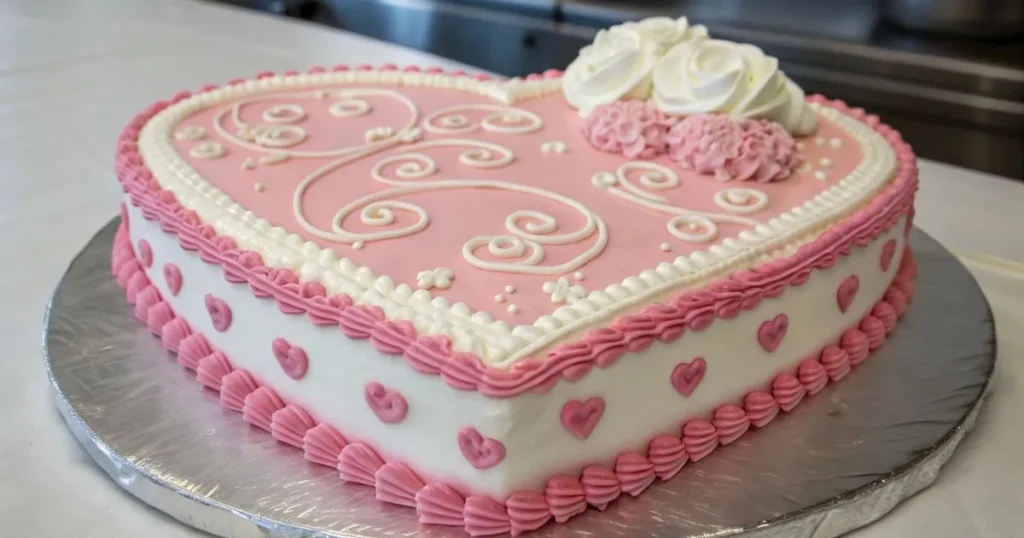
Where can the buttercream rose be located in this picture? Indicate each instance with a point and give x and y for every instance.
(710, 75)
(616, 66)
(666, 32)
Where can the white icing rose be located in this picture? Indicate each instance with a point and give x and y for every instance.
(708, 75)
(616, 66)
(666, 32)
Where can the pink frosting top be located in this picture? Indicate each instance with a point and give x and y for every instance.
(728, 149)
(635, 233)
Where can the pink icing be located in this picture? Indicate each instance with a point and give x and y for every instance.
(191, 350)
(566, 497)
(389, 406)
(482, 452)
(715, 144)
(836, 362)
(634, 472)
(635, 129)
(600, 485)
(731, 422)
(172, 276)
(668, 455)
(788, 391)
(397, 484)
(847, 291)
(291, 358)
(761, 407)
(528, 511)
(897, 299)
(466, 373)
(212, 369)
(687, 375)
(580, 418)
(290, 424)
(874, 330)
(220, 313)
(173, 331)
(888, 251)
(855, 344)
(145, 253)
(485, 516)
(812, 375)
(700, 438)
(144, 300)
(438, 504)
(235, 387)
(260, 406)
(157, 316)
(359, 463)
(323, 444)
(886, 314)
(771, 332)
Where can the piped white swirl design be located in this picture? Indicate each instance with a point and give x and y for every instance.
(741, 200)
(710, 75)
(208, 150)
(190, 132)
(502, 119)
(686, 224)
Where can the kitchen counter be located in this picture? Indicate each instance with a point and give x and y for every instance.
(72, 73)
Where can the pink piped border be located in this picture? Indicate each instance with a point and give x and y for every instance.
(564, 496)
(430, 354)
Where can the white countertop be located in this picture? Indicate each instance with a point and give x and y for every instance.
(73, 72)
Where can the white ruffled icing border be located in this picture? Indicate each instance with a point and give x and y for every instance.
(496, 342)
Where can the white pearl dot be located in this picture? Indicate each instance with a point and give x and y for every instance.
(510, 289)
(358, 245)
(819, 141)
(835, 143)
(826, 162)
(259, 187)
(578, 275)
(665, 247)
(820, 175)
(800, 146)
(513, 309)
(499, 298)
(693, 226)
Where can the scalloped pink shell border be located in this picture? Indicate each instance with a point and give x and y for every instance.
(565, 496)
(694, 309)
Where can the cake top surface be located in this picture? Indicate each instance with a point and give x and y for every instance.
(479, 209)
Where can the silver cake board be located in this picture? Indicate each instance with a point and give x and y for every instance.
(842, 459)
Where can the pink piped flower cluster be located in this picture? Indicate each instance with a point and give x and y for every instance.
(636, 129)
(729, 149)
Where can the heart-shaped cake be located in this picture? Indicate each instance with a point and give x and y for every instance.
(491, 283)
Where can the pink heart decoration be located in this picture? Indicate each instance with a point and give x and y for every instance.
(220, 313)
(293, 359)
(145, 253)
(847, 291)
(687, 375)
(888, 251)
(771, 332)
(389, 406)
(172, 275)
(580, 418)
(481, 452)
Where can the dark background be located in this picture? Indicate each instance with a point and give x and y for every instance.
(956, 92)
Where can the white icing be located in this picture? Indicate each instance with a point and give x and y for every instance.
(440, 278)
(556, 147)
(665, 247)
(826, 162)
(358, 245)
(248, 164)
(275, 158)
(284, 113)
(687, 224)
(710, 75)
(510, 289)
(836, 143)
(578, 275)
(666, 32)
(641, 403)
(502, 119)
(208, 150)
(190, 132)
(259, 187)
(741, 200)
(561, 291)
(819, 141)
(499, 298)
(379, 133)
(820, 175)
(513, 309)
(495, 343)
(349, 108)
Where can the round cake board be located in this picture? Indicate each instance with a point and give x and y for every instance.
(840, 460)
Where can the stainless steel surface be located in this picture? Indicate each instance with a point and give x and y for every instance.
(975, 18)
(840, 460)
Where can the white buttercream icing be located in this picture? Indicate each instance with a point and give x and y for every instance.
(617, 65)
(710, 75)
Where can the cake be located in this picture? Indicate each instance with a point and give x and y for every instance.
(501, 302)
